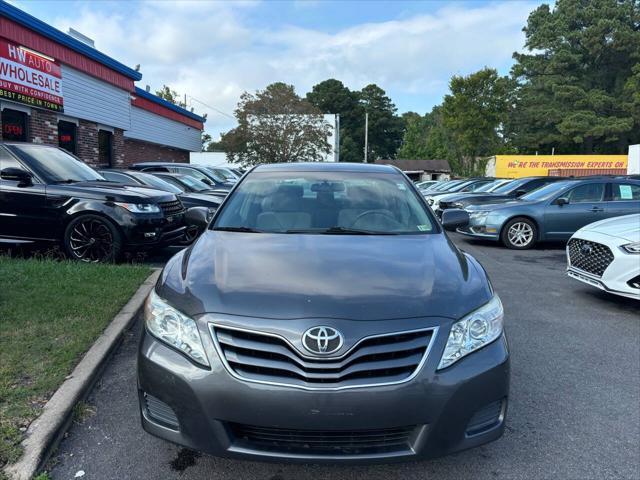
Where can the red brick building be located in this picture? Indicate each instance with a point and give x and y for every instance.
(57, 89)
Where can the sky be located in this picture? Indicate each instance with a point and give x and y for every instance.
(215, 50)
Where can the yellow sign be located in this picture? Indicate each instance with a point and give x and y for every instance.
(516, 166)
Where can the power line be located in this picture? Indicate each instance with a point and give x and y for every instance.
(212, 108)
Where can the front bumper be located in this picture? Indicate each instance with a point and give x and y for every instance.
(621, 276)
(437, 407)
(482, 227)
(151, 231)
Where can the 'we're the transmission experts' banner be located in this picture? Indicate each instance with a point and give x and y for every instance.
(29, 78)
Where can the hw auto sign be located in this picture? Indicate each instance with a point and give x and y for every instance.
(29, 78)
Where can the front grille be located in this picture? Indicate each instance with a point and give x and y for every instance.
(161, 412)
(171, 208)
(591, 257)
(323, 442)
(376, 360)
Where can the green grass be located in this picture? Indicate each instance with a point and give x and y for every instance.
(50, 314)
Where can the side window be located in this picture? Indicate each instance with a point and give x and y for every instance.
(621, 192)
(7, 161)
(590, 192)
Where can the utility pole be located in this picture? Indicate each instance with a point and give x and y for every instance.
(366, 136)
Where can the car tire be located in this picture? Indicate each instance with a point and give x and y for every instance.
(519, 234)
(92, 239)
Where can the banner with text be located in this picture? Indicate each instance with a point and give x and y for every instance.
(515, 166)
(29, 78)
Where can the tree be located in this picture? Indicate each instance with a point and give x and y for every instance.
(171, 96)
(331, 96)
(473, 115)
(276, 125)
(579, 81)
(385, 127)
(425, 137)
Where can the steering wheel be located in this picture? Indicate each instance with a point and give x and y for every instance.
(386, 216)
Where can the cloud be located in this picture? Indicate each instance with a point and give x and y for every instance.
(214, 51)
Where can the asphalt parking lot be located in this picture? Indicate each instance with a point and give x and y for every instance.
(574, 403)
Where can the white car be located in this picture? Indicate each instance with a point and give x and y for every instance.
(606, 254)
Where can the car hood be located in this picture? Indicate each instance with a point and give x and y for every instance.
(476, 198)
(626, 227)
(497, 205)
(200, 198)
(324, 276)
(110, 191)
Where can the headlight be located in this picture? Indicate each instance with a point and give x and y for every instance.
(174, 328)
(632, 247)
(139, 207)
(478, 216)
(474, 331)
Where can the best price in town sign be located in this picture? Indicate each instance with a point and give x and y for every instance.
(29, 78)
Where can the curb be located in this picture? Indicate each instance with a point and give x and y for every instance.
(46, 430)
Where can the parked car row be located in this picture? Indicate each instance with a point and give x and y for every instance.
(522, 212)
(48, 196)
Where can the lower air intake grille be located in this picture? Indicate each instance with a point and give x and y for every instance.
(485, 418)
(590, 257)
(327, 442)
(161, 412)
(260, 357)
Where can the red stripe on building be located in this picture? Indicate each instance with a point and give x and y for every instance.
(27, 38)
(148, 105)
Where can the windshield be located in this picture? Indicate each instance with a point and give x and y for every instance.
(493, 186)
(325, 203)
(194, 184)
(545, 192)
(57, 165)
(215, 175)
(511, 186)
(446, 186)
(155, 182)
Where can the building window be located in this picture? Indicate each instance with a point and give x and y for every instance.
(105, 139)
(14, 125)
(67, 132)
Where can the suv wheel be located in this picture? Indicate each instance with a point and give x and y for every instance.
(519, 234)
(91, 238)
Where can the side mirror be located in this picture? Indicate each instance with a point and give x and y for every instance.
(562, 201)
(198, 216)
(16, 175)
(454, 218)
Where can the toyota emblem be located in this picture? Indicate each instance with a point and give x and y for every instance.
(322, 340)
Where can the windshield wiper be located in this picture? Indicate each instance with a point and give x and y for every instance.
(338, 231)
(237, 229)
(68, 180)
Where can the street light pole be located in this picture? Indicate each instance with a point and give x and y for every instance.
(366, 136)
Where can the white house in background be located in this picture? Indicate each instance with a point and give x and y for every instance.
(220, 158)
(633, 164)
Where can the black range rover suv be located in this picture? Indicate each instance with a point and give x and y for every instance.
(48, 195)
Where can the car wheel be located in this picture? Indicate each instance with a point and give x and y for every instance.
(519, 234)
(94, 239)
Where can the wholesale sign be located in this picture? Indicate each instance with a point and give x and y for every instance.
(29, 78)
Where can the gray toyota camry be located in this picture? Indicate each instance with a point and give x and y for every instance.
(324, 315)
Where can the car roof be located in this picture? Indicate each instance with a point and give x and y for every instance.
(325, 167)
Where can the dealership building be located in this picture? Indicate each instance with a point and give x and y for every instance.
(57, 89)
